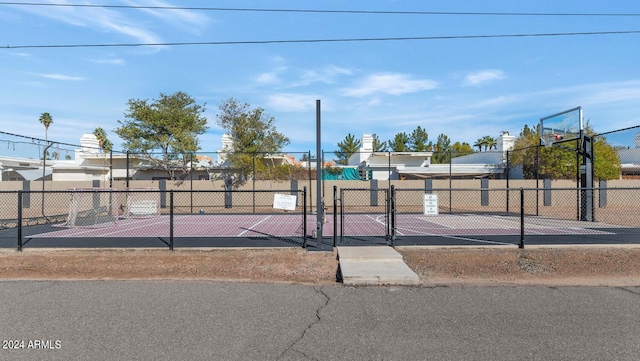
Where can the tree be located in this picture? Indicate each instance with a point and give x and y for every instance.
(479, 143)
(443, 144)
(347, 147)
(252, 132)
(441, 149)
(46, 120)
(459, 149)
(105, 143)
(170, 124)
(525, 150)
(418, 140)
(607, 164)
(400, 143)
(378, 145)
(561, 161)
(490, 142)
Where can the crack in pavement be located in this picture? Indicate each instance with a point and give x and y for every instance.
(630, 291)
(304, 333)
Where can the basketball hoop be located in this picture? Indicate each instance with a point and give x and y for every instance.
(561, 127)
(549, 139)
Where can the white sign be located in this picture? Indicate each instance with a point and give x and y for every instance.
(431, 204)
(284, 201)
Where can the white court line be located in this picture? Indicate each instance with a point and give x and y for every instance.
(378, 220)
(478, 240)
(75, 232)
(144, 225)
(251, 228)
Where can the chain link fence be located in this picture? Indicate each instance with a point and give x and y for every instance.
(490, 216)
(364, 216)
(102, 217)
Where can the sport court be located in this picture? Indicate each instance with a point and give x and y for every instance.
(286, 230)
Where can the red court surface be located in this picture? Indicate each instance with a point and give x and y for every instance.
(255, 225)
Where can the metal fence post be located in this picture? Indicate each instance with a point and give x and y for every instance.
(538, 180)
(335, 214)
(191, 180)
(341, 215)
(521, 245)
(310, 183)
(111, 168)
(19, 221)
(304, 217)
(253, 181)
(127, 178)
(508, 168)
(450, 180)
(392, 215)
(171, 220)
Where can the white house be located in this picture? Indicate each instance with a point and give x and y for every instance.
(417, 165)
(18, 169)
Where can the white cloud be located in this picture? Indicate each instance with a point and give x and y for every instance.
(61, 77)
(267, 78)
(326, 75)
(389, 83)
(108, 61)
(608, 93)
(188, 20)
(286, 102)
(97, 18)
(499, 101)
(483, 76)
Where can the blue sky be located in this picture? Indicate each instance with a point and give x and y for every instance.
(464, 88)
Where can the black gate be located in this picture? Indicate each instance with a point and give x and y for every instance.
(365, 216)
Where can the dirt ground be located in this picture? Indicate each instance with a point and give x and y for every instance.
(561, 266)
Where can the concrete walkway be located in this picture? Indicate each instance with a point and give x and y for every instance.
(376, 265)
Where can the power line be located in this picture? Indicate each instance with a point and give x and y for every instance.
(373, 12)
(252, 42)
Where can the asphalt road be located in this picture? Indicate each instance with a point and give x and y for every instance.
(193, 320)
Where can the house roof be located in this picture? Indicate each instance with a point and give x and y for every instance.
(479, 158)
(33, 174)
(629, 156)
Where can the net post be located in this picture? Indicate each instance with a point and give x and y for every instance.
(521, 245)
(20, 221)
(171, 220)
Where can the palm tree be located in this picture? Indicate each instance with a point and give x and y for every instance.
(479, 143)
(46, 120)
(489, 142)
(105, 143)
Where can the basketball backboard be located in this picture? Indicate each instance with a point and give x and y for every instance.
(561, 127)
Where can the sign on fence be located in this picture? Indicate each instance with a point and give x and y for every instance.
(284, 201)
(430, 204)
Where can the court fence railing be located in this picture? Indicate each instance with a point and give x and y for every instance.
(96, 208)
(383, 209)
(523, 210)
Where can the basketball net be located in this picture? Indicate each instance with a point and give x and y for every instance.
(549, 139)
